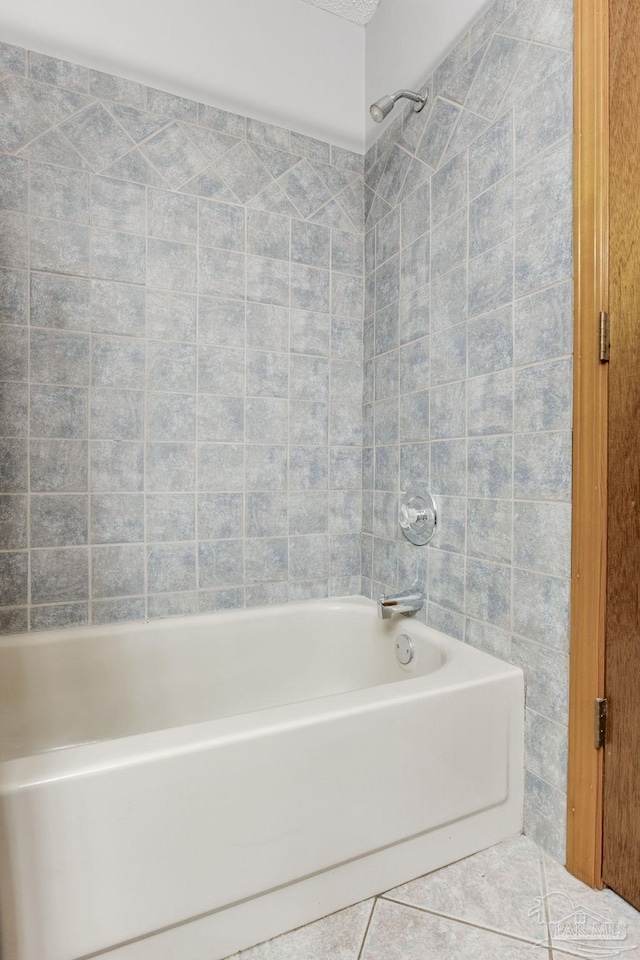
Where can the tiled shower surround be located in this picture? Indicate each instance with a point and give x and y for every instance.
(182, 305)
(468, 372)
(181, 300)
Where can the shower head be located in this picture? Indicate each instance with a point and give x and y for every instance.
(383, 107)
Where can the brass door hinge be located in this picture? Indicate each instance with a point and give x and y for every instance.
(605, 337)
(600, 722)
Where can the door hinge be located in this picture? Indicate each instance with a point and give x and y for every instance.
(600, 722)
(605, 337)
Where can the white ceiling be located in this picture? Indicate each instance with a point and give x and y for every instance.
(358, 11)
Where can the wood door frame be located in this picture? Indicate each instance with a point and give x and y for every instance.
(589, 532)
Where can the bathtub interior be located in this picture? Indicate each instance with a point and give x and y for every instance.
(65, 688)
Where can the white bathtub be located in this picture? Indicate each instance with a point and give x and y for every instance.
(187, 788)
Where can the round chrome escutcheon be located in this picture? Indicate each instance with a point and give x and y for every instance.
(417, 516)
(404, 649)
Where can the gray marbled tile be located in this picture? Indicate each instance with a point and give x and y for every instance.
(267, 560)
(220, 466)
(545, 115)
(14, 357)
(58, 412)
(116, 414)
(449, 189)
(344, 555)
(56, 246)
(116, 466)
(310, 244)
(491, 279)
(489, 21)
(220, 516)
(268, 234)
(58, 194)
(449, 298)
(546, 678)
(386, 470)
(55, 616)
(345, 467)
(490, 342)
(21, 121)
(267, 133)
(446, 579)
(543, 325)
(169, 105)
(221, 225)
(13, 466)
(59, 357)
(488, 638)
(58, 521)
(437, 131)
(241, 169)
(118, 256)
(172, 366)
(414, 416)
(117, 518)
(117, 571)
(308, 423)
(55, 466)
(268, 282)
(59, 574)
(387, 236)
(385, 561)
(448, 354)
(173, 216)
(14, 409)
(308, 557)
(230, 123)
(449, 243)
(13, 59)
(448, 410)
(542, 608)
(445, 620)
(221, 322)
(172, 416)
(118, 205)
(13, 296)
(542, 537)
(489, 530)
(267, 374)
(393, 175)
(266, 467)
(346, 296)
(14, 620)
(387, 329)
(309, 333)
(346, 339)
(59, 73)
(172, 605)
(221, 273)
(265, 420)
(414, 464)
(542, 466)
(491, 217)
(546, 749)
(14, 575)
(14, 247)
(13, 522)
(346, 424)
(118, 611)
(117, 308)
(346, 380)
(266, 515)
(383, 520)
(488, 592)
(413, 314)
(133, 166)
(414, 265)
(211, 601)
(387, 375)
(310, 288)
(347, 255)
(491, 155)
(490, 404)
(170, 467)
(171, 265)
(554, 169)
(386, 420)
(544, 254)
(174, 155)
(308, 512)
(387, 282)
(60, 302)
(343, 506)
(308, 468)
(171, 567)
(501, 60)
(449, 468)
(450, 531)
(108, 87)
(267, 327)
(97, 137)
(543, 397)
(489, 464)
(467, 129)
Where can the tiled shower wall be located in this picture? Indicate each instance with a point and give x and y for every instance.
(468, 372)
(180, 354)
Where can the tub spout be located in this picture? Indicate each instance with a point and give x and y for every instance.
(408, 602)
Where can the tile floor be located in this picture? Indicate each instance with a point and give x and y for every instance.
(510, 902)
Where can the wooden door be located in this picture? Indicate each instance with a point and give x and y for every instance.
(621, 868)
